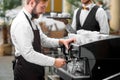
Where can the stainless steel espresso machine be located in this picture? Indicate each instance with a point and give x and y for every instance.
(101, 64)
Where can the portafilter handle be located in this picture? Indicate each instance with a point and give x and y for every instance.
(66, 52)
(63, 49)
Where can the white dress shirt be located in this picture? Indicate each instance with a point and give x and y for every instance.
(22, 38)
(101, 18)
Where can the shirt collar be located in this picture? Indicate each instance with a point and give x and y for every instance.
(27, 13)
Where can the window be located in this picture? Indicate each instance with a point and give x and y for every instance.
(55, 6)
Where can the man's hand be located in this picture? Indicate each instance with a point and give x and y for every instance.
(59, 62)
(66, 42)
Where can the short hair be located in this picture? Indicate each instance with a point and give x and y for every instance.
(100, 1)
(37, 1)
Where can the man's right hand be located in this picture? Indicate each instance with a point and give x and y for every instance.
(59, 62)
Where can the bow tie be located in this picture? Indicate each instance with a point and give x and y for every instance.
(85, 8)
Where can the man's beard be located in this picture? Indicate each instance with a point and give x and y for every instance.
(34, 13)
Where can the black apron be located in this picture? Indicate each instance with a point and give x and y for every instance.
(24, 70)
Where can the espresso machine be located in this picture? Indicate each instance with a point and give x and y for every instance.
(77, 67)
(106, 59)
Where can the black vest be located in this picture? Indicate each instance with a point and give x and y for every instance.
(90, 22)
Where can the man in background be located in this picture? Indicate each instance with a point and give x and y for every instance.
(91, 17)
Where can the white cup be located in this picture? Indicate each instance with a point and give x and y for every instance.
(59, 15)
(71, 35)
(65, 14)
(53, 14)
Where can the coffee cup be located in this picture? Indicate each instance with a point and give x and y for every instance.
(53, 14)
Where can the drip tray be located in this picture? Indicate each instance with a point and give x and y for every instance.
(65, 75)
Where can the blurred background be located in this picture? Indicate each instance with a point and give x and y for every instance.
(10, 8)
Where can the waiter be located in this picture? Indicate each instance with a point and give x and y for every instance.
(28, 38)
(90, 17)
